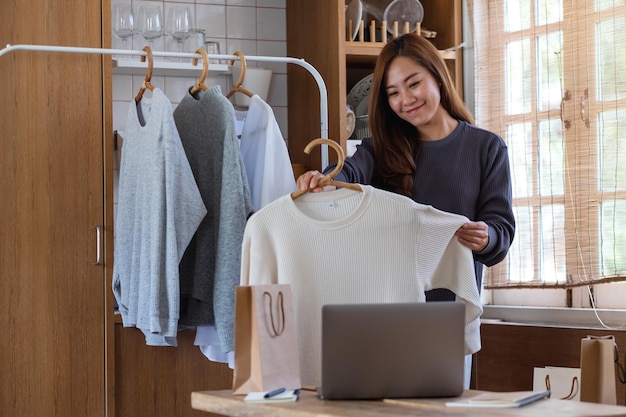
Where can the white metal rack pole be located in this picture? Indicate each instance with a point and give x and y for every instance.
(104, 51)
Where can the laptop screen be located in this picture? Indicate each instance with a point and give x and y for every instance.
(398, 350)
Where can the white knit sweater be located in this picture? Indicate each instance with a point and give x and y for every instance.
(345, 246)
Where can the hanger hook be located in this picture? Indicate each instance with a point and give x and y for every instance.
(328, 179)
(148, 50)
(242, 75)
(205, 64)
(340, 155)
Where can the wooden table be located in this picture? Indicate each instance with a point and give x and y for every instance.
(309, 405)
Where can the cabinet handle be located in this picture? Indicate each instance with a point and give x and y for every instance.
(98, 246)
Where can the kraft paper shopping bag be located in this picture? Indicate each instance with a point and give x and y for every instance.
(597, 369)
(266, 344)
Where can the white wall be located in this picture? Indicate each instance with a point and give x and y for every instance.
(254, 27)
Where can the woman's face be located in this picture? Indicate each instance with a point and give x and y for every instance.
(412, 91)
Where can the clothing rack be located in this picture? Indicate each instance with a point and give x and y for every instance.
(105, 51)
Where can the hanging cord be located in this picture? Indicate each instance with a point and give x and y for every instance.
(592, 300)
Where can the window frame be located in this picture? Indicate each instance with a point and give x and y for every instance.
(585, 205)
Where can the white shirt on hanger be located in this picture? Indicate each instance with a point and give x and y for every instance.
(264, 154)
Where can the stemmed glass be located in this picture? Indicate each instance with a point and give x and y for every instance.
(123, 22)
(178, 24)
(151, 23)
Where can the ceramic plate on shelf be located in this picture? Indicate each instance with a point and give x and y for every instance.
(354, 12)
(402, 11)
(358, 96)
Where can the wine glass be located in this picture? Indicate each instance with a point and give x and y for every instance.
(178, 24)
(123, 22)
(151, 23)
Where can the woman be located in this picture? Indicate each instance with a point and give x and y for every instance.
(424, 146)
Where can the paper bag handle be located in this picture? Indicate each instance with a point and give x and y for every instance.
(271, 315)
(572, 391)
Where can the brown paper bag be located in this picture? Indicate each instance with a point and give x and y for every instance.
(266, 339)
(597, 370)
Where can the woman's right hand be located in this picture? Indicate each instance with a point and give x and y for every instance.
(310, 180)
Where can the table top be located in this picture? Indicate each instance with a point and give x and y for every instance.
(225, 403)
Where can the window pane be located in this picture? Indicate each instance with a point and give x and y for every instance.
(611, 60)
(549, 89)
(549, 11)
(608, 4)
(518, 77)
(552, 243)
(517, 15)
(551, 161)
(613, 238)
(519, 141)
(521, 253)
(612, 152)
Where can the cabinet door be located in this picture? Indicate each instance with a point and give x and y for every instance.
(52, 292)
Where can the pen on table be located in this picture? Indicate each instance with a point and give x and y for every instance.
(533, 398)
(274, 393)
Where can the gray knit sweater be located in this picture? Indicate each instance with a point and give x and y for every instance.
(211, 265)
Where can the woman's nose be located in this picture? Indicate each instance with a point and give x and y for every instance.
(407, 97)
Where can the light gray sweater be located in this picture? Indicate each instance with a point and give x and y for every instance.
(159, 209)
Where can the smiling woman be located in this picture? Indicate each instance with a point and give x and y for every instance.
(425, 147)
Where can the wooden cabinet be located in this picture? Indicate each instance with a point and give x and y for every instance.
(56, 311)
(316, 32)
(158, 380)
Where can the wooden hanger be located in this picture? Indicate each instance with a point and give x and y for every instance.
(237, 88)
(200, 85)
(146, 83)
(328, 179)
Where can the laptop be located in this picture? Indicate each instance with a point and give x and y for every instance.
(399, 350)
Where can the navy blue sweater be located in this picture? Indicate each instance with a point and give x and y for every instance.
(465, 173)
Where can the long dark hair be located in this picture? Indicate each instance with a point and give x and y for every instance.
(395, 141)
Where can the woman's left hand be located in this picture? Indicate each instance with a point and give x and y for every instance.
(474, 235)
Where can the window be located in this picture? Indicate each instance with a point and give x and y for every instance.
(551, 80)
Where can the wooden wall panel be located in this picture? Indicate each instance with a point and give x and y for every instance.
(314, 29)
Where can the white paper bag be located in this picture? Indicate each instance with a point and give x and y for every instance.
(563, 383)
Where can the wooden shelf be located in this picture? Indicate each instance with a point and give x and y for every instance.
(357, 52)
(316, 32)
(162, 67)
(363, 48)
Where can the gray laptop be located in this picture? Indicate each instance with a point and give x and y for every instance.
(373, 351)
